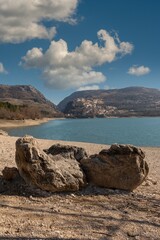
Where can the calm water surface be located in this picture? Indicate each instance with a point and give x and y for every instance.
(137, 131)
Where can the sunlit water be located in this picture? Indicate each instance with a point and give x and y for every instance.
(136, 131)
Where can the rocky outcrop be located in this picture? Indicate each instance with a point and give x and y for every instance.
(52, 172)
(120, 167)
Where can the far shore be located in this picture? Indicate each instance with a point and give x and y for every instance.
(22, 123)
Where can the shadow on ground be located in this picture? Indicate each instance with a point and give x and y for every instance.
(97, 200)
(35, 238)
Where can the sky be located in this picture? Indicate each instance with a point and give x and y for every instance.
(63, 46)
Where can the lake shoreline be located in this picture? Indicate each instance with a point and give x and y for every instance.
(24, 123)
(137, 131)
(5, 123)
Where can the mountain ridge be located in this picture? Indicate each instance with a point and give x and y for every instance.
(25, 101)
(124, 102)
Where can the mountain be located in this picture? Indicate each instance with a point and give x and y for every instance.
(22, 102)
(126, 102)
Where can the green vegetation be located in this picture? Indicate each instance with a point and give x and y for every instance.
(11, 111)
(25, 102)
(9, 106)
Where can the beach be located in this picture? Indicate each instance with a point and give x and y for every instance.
(93, 213)
(22, 123)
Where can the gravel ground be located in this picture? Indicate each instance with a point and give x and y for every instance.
(93, 213)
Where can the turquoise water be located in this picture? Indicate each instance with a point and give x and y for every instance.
(137, 131)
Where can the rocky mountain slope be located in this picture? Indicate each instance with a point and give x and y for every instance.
(126, 102)
(21, 101)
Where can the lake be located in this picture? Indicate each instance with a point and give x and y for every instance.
(136, 131)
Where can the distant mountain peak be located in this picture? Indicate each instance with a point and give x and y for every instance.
(125, 102)
(29, 101)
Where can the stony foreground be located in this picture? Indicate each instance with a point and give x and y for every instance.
(93, 213)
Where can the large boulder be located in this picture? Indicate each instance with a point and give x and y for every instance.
(50, 172)
(120, 167)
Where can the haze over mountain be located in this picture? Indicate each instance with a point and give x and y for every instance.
(22, 101)
(126, 102)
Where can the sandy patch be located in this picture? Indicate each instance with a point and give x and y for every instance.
(22, 123)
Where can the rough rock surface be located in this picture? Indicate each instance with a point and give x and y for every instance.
(53, 174)
(10, 173)
(120, 167)
(67, 151)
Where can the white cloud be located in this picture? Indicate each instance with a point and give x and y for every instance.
(22, 19)
(64, 69)
(92, 87)
(2, 69)
(106, 87)
(138, 71)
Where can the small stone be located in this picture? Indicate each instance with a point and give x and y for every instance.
(73, 195)
(132, 234)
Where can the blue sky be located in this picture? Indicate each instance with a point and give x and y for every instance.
(63, 46)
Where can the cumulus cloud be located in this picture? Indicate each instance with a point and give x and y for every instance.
(139, 71)
(2, 69)
(22, 19)
(92, 87)
(64, 69)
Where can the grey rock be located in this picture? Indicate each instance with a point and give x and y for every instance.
(51, 173)
(67, 151)
(120, 167)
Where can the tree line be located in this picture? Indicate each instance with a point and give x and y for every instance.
(19, 112)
